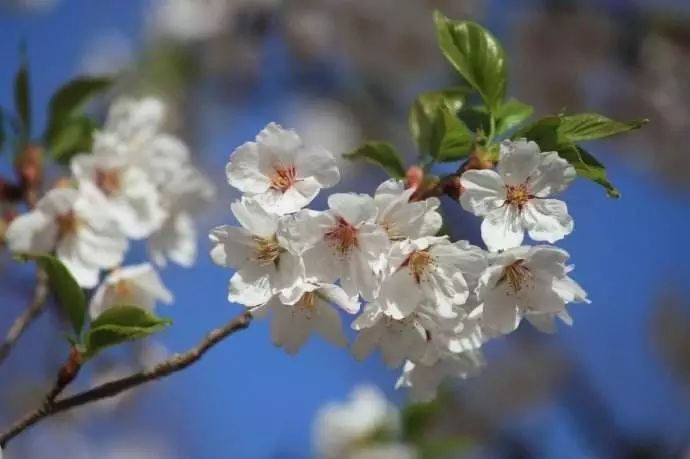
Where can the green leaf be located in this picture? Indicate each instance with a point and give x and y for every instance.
(588, 166)
(22, 98)
(477, 55)
(69, 293)
(476, 118)
(444, 447)
(423, 110)
(383, 155)
(418, 419)
(450, 139)
(70, 99)
(119, 324)
(511, 114)
(550, 135)
(74, 136)
(592, 126)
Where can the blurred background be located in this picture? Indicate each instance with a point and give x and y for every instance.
(616, 384)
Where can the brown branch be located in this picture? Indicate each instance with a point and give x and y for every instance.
(21, 324)
(110, 389)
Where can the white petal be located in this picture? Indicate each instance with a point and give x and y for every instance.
(318, 163)
(483, 191)
(58, 201)
(243, 170)
(328, 323)
(32, 232)
(354, 208)
(250, 286)
(252, 216)
(547, 220)
(400, 294)
(518, 161)
(501, 229)
(365, 342)
(232, 246)
(337, 295)
(369, 317)
(555, 174)
(500, 313)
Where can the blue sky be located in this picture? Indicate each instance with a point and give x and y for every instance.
(250, 398)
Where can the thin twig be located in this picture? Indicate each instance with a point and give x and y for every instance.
(110, 389)
(21, 324)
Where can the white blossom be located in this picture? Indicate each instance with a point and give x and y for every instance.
(77, 225)
(292, 324)
(132, 200)
(422, 381)
(515, 197)
(399, 340)
(429, 270)
(526, 281)
(404, 219)
(136, 285)
(279, 171)
(264, 264)
(345, 430)
(183, 193)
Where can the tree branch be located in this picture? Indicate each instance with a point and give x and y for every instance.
(21, 324)
(110, 389)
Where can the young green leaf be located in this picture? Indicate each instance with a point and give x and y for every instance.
(68, 292)
(70, 99)
(22, 98)
(450, 140)
(421, 117)
(119, 324)
(550, 135)
(477, 55)
(511, 114)
(383, 155)
(73, 136)
(592, 126)
(588, 166)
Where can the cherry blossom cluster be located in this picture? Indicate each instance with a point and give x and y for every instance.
(428, 303)
(137, 183)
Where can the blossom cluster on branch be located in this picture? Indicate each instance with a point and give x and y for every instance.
(430, 303)
(137, 183)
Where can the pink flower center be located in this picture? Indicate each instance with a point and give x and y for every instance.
(283, 178)
(342, 237)
(108, 180)
(518, 195)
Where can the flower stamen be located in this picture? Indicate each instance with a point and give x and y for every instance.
(516, 275)
(342, 237)
(518, 195)
(267, 250)
(419, 262)
(283, 178)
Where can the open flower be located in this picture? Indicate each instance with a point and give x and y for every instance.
(399, 340)
(429, 270)
(404, 219)
(137, 285)
(184, 193)
(292, 324)
(77, 225)
(131, 198)
(525, 281)
(343, 243)
(515, 197)
(264, 264)
(422, 380)
(279, 171)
